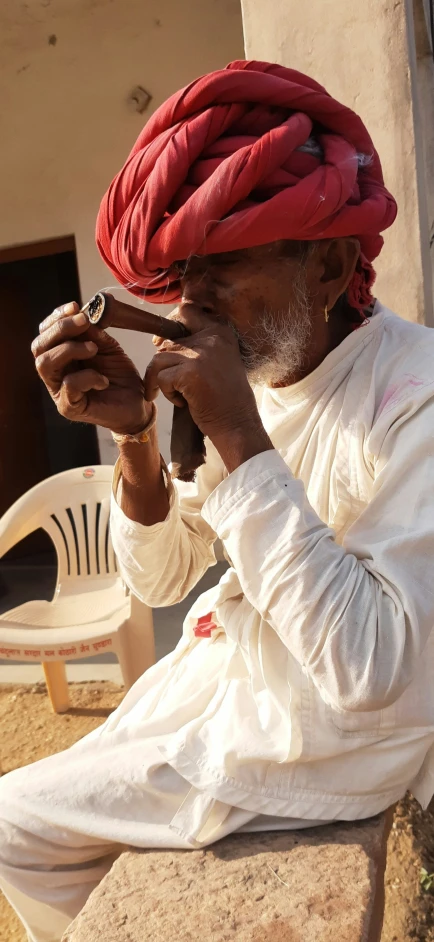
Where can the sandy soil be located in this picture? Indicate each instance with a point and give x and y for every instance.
(30, 731)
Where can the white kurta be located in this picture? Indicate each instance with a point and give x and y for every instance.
(312, 699)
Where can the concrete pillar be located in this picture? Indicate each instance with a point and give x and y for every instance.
(365, 53)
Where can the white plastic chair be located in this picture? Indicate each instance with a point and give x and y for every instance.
(91, 610)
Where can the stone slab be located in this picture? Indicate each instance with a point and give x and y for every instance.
(317, 885)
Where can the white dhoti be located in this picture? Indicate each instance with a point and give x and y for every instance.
(64, 819)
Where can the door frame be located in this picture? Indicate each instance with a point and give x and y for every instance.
(23, 251)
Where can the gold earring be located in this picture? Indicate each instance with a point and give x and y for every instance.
(326, 314)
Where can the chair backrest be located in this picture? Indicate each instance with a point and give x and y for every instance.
(74, 509)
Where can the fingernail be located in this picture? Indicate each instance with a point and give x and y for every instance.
(80, 319)
(68, 308)
(91, 346)
(105, 380)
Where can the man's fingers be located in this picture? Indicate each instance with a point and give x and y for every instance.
(52, 364)
(154, 372)
(168, 381)
(65, 310)
(60, 330)
(73, 398)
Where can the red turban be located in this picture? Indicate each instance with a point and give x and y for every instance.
(248, 155)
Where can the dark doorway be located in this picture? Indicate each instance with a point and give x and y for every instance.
(36, 441)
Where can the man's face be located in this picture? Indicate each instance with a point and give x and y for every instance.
(263, 293)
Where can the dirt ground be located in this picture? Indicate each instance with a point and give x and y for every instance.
(30, 731)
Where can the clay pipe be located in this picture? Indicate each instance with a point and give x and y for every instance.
(106, 311)
(187, 446)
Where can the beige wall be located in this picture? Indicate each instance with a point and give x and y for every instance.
(66, 126)
(363, 52)
(423, 70)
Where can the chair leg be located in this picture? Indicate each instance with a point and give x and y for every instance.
(57, 685)
(131, 667)
(135, 647)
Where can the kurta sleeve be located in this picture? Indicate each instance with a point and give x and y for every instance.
(355, 616)
(163, 562)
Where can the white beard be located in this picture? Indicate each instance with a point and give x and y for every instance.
(286, 335)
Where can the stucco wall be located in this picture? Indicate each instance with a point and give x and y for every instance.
(363, 52)
(66, 70)
(424, 88)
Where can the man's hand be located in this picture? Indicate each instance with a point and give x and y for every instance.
(88, 374)
(207, 371)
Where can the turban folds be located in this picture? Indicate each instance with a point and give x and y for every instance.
(244, 156)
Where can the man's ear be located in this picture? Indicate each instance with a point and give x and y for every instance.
(337, 260)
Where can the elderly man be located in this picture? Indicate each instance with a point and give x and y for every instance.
(301, 689)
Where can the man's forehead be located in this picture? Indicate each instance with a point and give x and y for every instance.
(251, 254)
